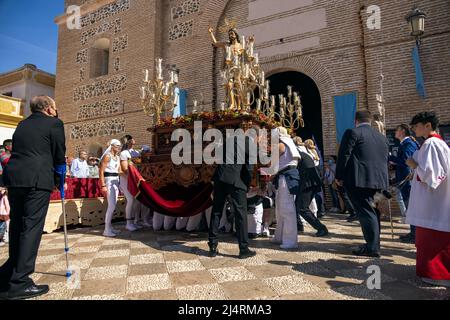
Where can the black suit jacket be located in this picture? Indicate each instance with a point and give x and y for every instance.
(363, 158)
(309, 173)
(38, 146)
(238, 175)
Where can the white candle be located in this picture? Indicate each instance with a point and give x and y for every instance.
(146, 75)
(266, 93)
(143, 93)
(258, 104)
(250, 49)
(289, 88)
(272, 100)
(267, 85)
(249, 97)
(222, 106)
(159, 68)
(281, 113)
(280, 97)
(228, 53)
(256, 58)
(172, 77)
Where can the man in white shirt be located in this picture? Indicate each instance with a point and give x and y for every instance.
(80, 168)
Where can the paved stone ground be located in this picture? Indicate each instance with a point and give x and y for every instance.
(174, 265)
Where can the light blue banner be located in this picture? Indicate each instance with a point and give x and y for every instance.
(181, 98)
(345, 110)
(420, 83)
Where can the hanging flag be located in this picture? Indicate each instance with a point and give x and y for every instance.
(420, 84)
(344, 109)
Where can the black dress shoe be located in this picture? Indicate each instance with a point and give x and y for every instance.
(363, 252)
(246, 254)
(352, 217)
(213, 252)
(30, 292)
(322, 232)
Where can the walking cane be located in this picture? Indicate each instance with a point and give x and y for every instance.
(61, 171)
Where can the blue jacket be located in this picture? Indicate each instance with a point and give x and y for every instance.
(292, 178)
(405, 151)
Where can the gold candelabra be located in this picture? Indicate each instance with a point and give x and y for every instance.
(158, 95)
(289, 112)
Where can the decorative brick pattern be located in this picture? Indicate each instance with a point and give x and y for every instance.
(114, 26)
(186, 8)
(82, 56)
(120, 43)
(100, 88)
(117, 64)
(99, 128)
(82, 74)
(105, 12)
(181, 30)
(100, 109)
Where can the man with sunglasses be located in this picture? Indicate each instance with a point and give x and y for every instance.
(38, 154)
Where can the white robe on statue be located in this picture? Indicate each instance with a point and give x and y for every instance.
(429, 202)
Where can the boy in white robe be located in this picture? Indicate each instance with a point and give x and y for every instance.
(429, 203)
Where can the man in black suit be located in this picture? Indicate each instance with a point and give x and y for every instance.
(38, 151)
(362, 169)
(233, 177)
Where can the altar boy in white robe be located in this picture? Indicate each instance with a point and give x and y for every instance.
(429, 202)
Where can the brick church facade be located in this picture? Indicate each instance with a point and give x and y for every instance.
(326, 45)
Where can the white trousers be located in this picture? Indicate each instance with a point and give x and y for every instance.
(190, 223)
(255, 220)
(286, 231)
(112, 186)
(161, 221)
(130, 199)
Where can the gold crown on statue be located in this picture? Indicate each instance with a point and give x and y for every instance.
(229, 25)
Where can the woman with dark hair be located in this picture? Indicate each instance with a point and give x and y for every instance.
(407, 147)
(429, 204)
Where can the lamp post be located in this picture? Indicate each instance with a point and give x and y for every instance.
(416, 21)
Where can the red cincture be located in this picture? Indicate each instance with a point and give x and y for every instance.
(435, 135)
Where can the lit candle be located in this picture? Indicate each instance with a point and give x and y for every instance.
(289, 88)
(159, 68)
(251, 49)
(280, 97)
(228, 54)
(246, 71)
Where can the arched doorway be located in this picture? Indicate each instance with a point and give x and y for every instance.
(310, 99)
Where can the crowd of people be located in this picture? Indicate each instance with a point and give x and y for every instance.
(292, 195)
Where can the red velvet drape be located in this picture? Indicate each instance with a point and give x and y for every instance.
(79, 188)
(173, 200)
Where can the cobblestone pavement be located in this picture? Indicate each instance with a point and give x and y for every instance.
(175, 265)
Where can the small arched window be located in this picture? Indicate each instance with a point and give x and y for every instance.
(100, 58)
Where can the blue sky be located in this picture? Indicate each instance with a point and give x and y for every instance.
(28, 33)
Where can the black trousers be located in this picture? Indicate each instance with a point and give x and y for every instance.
(238, 203)
(302, 202)
(369, 217)
(28, 211)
